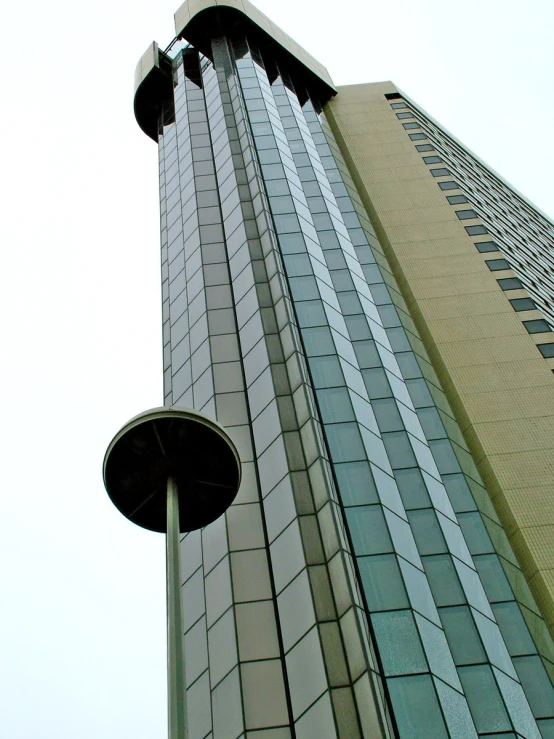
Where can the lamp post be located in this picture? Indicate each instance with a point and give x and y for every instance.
(172, 470)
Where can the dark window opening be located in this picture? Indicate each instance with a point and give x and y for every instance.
(539, 326)
(519, 304)
(510, 283)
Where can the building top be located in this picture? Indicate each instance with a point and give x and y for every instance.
(196, 17)
(198, 22)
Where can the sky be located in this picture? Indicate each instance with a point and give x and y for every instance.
(82, 591)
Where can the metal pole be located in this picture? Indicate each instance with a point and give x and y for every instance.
(176, 694)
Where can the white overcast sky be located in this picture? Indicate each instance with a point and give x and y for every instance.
(82, 610)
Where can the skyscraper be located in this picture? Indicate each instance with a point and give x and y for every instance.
(368, 310)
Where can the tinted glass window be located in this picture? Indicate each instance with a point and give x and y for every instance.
(425, 147)
(418, 136)
(519, 304)
(486, 246)
(510, 283)
(547, 350)
(439, 172)
(449, 185)
(537, 327)
(455, 199)
(496, 265)
(476, 230)
(432, 160)
(463, 215)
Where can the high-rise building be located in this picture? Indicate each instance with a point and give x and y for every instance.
(368, 310)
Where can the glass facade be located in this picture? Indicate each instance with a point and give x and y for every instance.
(361, 585)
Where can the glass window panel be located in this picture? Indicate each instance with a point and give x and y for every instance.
(439, 172)
(463, 215)
(437, 651)
(399, 340)
(462, 635)
(335, 259)
(449, 185)
(356, 483)
(387, 415)
(326, 371)
(335, 405)
(380, 294)
(510, 283)
(358, 327)
(494, 644)
(497, 265)
(226, 696)
(311, 313)
(427, 532)
(483, 247)
(458, 492)
(292, 243)
(443, 580)
(328, 240)
(431, 423)
(409, 366)
(547, 350)
(277, 187)
(521, 304)
(546, 727)
(304, 288)
(416, 707)
(417, 136)
(382, 582)
(485, 702)
(402, 537)
(399, 450)
(476, 230)
(419, 393)
(456, 711)
(286, 223)
(419, 592)
(367, 353)
(318, 341)
(376, 383)
(538, 326)
(412, 489)
(455, 199)
(399, 644)
(536, 685)
(281, 205)
(342, 280)
(475, 533)
(517, 705)
(349, 303)
(345, 442)
(368, 530)
(513, 628)
(389, 316)
(444, 456)
(298, 265)
(493, 578)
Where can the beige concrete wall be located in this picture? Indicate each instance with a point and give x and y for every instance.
(500, 387)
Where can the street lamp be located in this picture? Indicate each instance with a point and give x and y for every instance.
(172, 470)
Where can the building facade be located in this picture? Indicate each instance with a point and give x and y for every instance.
(368, 310)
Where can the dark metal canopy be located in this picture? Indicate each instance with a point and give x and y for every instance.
(172, 442)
